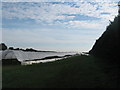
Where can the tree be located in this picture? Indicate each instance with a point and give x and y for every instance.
(107, 46)
(3, 46)
(11, 48)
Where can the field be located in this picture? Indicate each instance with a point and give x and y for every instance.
(74, 72)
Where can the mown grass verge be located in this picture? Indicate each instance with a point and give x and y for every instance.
(74, 72)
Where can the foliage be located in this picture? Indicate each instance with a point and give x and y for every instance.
(107, 46)
(3, 46)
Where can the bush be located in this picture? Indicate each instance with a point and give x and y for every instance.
(3, 46)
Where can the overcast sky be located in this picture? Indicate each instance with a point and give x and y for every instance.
(59, 26)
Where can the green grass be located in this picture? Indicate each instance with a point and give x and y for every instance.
(74, 72)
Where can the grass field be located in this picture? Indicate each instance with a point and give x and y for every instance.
(74, 72)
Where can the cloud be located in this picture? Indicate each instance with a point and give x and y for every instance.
(85, 24)
(51, 39)
(56, 0)
(43, 12)
(49, 12)
(48, 36)
(54, 13)
(63, 14)
(80, 33)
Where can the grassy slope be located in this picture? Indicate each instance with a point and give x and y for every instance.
(75, 72)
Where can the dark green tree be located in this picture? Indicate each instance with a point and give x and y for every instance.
(107, 46)
(11, 48)
(3, 46)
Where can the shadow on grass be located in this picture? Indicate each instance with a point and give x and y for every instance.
(74, 72)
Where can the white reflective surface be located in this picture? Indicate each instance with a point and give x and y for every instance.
(27, 55)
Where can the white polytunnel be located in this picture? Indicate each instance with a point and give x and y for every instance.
(28, 55)
(8, 55)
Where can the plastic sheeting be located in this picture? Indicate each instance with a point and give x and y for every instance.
(8, 54)
(25, 55)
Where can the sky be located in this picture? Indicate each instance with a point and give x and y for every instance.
(57, 25)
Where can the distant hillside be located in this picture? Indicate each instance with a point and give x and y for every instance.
(3, 46)
(107, 46)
